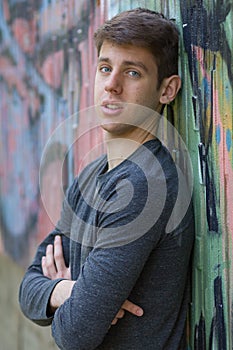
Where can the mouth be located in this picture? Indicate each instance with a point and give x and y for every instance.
(112, 108)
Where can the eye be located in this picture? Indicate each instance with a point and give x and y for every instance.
(105, 69)
(134, 74)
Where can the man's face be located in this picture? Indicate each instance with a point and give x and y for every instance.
(125, 74)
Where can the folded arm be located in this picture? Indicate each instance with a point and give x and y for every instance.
(54, 267)
(36, 289)
(104, 284)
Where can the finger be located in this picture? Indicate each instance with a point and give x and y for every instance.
(132, 308)
(58, 254)
(114, 321)
(44, 267)
(49, 262)
(67, 273)
(120, 314)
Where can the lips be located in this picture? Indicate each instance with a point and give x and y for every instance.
(112, 104)
(112, 107)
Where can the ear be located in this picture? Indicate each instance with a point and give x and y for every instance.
(169, 89)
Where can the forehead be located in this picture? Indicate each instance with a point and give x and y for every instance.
(127, 52)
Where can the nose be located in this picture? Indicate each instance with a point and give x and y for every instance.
(113, 84)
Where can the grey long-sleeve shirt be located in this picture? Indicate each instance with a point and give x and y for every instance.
(114, 229)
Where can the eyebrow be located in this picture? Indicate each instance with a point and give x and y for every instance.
(125, 63)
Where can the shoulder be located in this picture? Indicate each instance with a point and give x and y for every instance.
(153, 165)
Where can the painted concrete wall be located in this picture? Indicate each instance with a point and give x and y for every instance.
(47, 64)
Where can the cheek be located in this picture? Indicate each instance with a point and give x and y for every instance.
(143, 96)
(139, 95)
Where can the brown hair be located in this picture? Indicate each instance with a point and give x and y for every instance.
(144, 28)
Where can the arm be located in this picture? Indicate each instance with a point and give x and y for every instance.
(111, 269)
(35, 288)
(54, 267)
(84, 319)
(44, 288)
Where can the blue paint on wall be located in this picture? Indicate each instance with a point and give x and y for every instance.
(218, 134)
(228, 139)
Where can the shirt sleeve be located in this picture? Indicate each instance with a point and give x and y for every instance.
(108, 274)
(35, 289)
(105, 282)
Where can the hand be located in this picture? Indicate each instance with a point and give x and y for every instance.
(53, 263)
(130, 307)
(53, 267)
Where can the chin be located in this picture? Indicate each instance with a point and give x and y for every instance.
(117, 129)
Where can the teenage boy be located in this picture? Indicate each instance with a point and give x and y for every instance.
(113, 227)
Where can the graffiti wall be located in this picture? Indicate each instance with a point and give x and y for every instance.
(207, 34)
(47, 65)
(43, 45)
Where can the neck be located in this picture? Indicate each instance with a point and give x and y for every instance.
(121, 147)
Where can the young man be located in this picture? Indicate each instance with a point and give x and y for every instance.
(113, 226)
